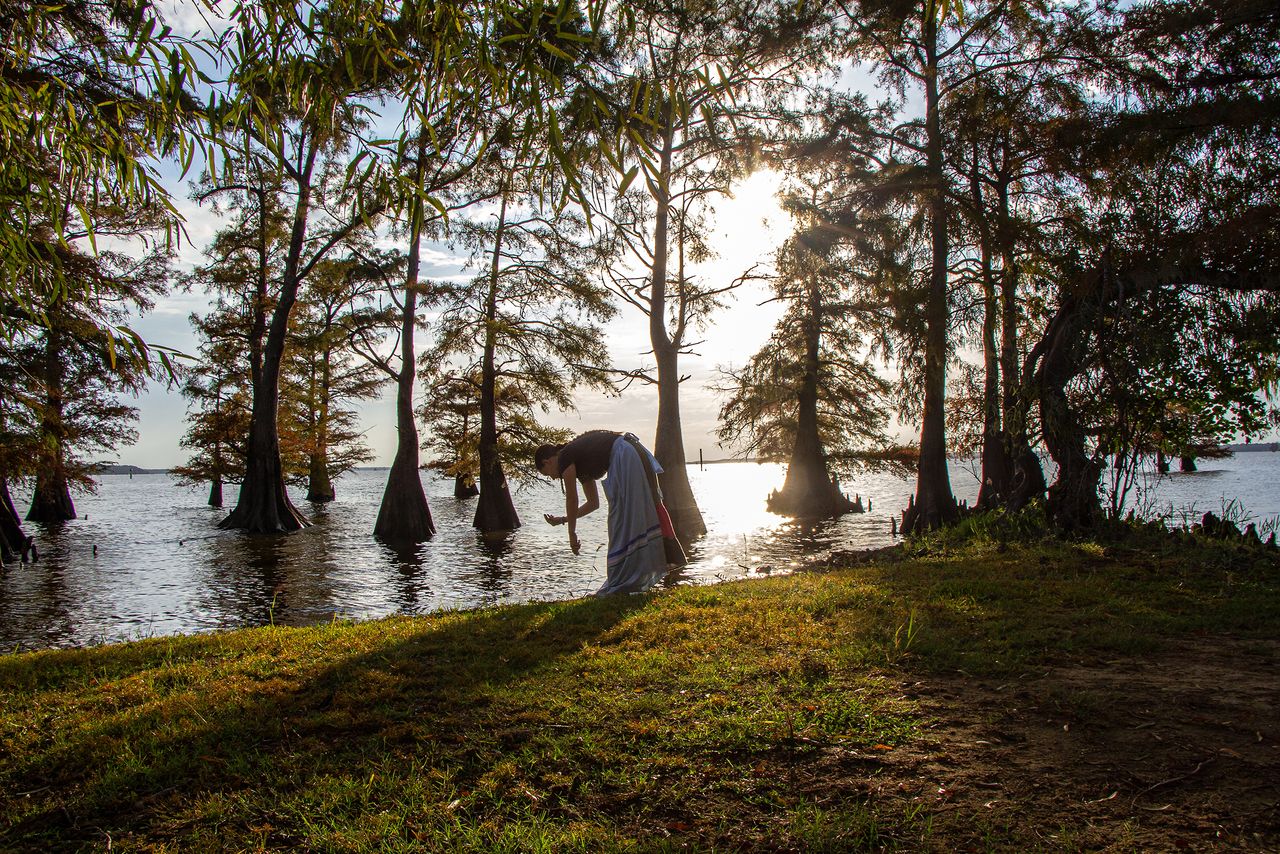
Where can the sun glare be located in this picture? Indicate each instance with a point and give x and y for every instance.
(748, 229)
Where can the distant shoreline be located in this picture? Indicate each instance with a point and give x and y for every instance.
(1241, 448)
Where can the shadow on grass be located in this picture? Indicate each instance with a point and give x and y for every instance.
(417, 686)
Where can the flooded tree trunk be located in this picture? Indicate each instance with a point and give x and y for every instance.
(264, 506)
(404, 516)
(934, 505)
(495, 511)
(319, 486)
(1162, 462)
(668, 444)
(216, 482)
(809, 490)
(1027, 482)
(464, 487)
(14, 542)
(1186, 463)
(51, 499)
(668, 448)
(51, 502)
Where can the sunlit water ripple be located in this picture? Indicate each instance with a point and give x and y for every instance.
(162, 567)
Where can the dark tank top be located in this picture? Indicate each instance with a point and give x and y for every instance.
(590, 453)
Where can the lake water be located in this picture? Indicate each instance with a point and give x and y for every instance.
(162, 566)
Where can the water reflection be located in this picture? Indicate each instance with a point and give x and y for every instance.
(162, 566)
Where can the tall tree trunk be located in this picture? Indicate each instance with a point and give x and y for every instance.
(215, 485)
(1186, 463)
(264, 506)
(51, 499)
(934, 504)
(495, 510)
(995, 460)
(668, 444)
(404, 516)
(319, 485)
(809, 491)
(1026, 481)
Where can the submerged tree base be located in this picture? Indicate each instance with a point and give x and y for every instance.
(822, 503)
(265, 520)
(464, 487)
(404, 516)
(920, 518)
(51, 503)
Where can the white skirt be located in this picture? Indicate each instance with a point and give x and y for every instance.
(637, 559)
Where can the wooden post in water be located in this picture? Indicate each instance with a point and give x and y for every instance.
(700, 468)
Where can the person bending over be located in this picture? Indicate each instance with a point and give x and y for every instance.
(637, 557)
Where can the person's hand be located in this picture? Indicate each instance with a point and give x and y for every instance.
(575, 543)
(554, 520)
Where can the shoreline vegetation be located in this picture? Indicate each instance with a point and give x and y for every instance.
(977, 689)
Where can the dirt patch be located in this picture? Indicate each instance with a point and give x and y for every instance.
(1178, 751)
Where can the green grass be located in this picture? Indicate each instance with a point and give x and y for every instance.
(694, 719)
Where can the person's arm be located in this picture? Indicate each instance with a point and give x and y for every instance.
(571, 507)
(572, 510)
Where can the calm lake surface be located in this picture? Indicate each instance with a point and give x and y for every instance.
(162, 567)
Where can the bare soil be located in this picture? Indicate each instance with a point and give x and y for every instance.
(1178, 751)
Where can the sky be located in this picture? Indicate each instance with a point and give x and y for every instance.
(748, 228)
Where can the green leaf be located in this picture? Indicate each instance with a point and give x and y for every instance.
(88, 227)
(550, 48)
(627, 179)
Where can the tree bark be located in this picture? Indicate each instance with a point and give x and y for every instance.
(319, 485)
(51, 502)
(263, 505)
(404, 516)
(995, 459)
(1073, 497)
(215, 492)
(495, 510)
(1186, 463)
(668, 444)
(935, 505)
(1026, 481)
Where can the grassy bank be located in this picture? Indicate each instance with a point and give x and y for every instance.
(751, 715)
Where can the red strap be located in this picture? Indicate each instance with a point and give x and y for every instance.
(664, 519)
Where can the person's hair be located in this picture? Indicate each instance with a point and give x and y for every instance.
(544, 453)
